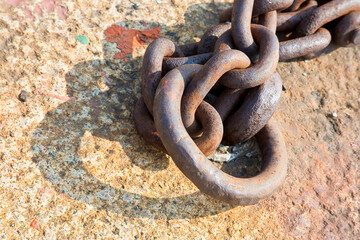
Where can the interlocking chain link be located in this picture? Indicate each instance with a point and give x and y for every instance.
(236, 64)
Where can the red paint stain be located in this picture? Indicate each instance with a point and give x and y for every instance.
(128, 39)
(34, 224)
(38, 11)
(46, 191)
(65, 99)
(42, 92)
(61, 11)
(49, 5)
(105, 76)
(62, 195)
(29, 11)
(14, 3)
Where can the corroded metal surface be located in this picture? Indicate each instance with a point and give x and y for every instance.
(256, 110)
(74, 167)
(325, 14)
(152, 66)
(347, 31)
(241, 26)
(241, 86)
(286, 21)
(304, 45)
(262, 69)
(205, 79)
(197, 167)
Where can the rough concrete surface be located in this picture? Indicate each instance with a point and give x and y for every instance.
(73, 167)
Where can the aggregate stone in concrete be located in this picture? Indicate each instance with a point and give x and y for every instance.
(73, 166)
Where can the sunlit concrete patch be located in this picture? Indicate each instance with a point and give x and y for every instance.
(78, 169)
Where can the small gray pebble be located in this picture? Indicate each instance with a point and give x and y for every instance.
(23, 96)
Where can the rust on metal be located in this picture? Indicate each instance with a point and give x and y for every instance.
(152, 66)
(269, 20)
(259, 72)
(170, 63)
(325, 14)
(241, 27)
(296, 5)
(225, 87)
(302, 46)
(204, 80)
(210, 37)
(192, 162)
(256, 110)
(260, 7)
(287, 21)
(347, 31)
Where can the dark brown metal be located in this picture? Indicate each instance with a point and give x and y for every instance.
(207, 115)
(296, 5)
(269, 20)
(243, 97)
(189, 49)
(225, 15)
(256, 110)
(173, 84)
(209, 179)
(210, 37)
(145, 126)
(241, 27)
(204, 80)
(265, 6)
(226, 102)
(347, 31)
(170, 63)
(260, 7)
(225, 42)
(152, 67)
(304, 45)
(287, 21)
(260, 71)
(325, 14)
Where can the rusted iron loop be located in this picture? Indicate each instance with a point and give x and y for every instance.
(195, 166)
(265, 6)
(145, 125)
(259, 105)
(347, 31)
(210, 37)
(269, 20)
(295, 6)
(260, 71)
(325, 14)
(204, 80)
(241, 98)
(197, 53)
(260, 7)
(241, 26)
(287, 21)
(189, 49)
(170, 63)
(225, 42)
(209, 118)
(227, 100)
(152, 67)
(302, 46)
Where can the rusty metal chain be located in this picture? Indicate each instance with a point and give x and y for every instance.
(236, 63)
